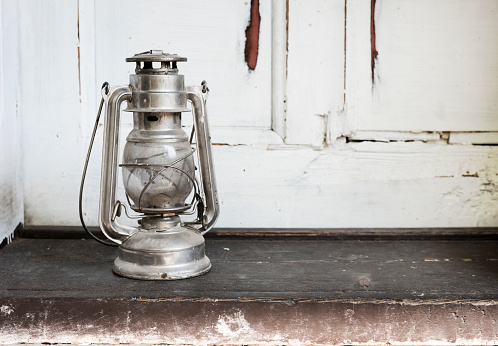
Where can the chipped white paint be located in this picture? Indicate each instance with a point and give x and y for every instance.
(263, 180)
(231, 326)
(473, 138)
(387, 136)
(365, 184)
(6, 310)
(347, 323)
(11, 208)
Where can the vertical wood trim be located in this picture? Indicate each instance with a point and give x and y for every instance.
(358, 63)
(315, 87)
(11, 190)
(279, 66)
(337, 125)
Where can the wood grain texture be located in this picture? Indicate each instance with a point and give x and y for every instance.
(272, 292)
(258, 269)
(377, 234)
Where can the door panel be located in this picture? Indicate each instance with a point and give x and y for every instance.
(435, 65)
(211, 34)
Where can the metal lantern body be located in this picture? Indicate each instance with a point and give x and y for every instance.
(158, 174)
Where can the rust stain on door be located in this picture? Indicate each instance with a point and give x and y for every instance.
(252, 36)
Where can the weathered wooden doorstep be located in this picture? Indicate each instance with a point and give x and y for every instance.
(323, 289)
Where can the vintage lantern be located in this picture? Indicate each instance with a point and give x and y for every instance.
(158, 173)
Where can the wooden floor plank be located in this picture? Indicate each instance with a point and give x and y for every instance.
(279, 290)
(263, 268)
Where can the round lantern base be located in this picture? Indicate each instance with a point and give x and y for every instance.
(171, 254)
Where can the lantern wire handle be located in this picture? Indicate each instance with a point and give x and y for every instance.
(105, 91)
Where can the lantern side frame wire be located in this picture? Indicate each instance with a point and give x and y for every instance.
(105, 91)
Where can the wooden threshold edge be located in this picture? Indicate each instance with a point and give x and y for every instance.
(448, 233)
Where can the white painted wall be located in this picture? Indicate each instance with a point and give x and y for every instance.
(11, 202)
(435, 74)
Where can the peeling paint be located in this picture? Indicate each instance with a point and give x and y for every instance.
(6, 310)
(269, 324)
(373, 44)
(252, 36)
(232, 325)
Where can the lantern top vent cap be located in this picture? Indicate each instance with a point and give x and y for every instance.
(155, 55)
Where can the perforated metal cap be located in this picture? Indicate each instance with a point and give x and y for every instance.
(155, 55)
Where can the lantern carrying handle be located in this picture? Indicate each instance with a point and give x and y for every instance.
(109, 182)
(197, 96)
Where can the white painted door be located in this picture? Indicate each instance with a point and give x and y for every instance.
(289, 131)
(422, 66)
(211, 34)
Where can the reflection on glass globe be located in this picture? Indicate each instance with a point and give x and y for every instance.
(151, 186)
